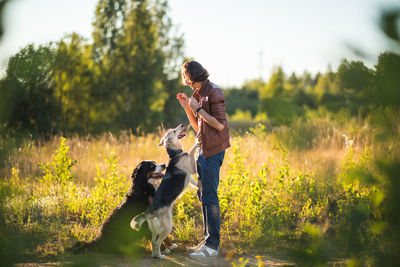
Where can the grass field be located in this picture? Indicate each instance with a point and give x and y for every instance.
(314, 189)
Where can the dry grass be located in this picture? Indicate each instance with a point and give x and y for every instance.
(89, 154)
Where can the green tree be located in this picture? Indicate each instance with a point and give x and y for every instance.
(275, 85)
(244, 98)
(107, 27)
(139, 66)
(353, 80)
(322, 87)
(135, 74)
(387, 80)
(170, 43)
(353, 77)
(72, 79)
(326, 84)
(293, 84)
(277, 100)
(26, 91)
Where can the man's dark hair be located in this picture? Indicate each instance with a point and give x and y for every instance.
(195, 71)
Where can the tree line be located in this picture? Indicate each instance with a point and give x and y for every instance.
(352, 90)
(127, 78)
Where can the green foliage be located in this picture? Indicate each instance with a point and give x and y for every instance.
(136, 52)
(72, 86)
(107, 26)
(232, 201)
(43, 216)
(108, 192)
(353, 90)
(242, 263)
(272, 204)
(275, 85)
(59, 170)
(187, 218)
(353, 77)
(388, 22)
(386, 90)
(2, 5)
(242, 115)
(130, 70)
(73, 77)
(307, 134)
(27, 100)
(244, 98)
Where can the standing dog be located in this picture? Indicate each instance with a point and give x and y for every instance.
(115, 234)
(177, 177)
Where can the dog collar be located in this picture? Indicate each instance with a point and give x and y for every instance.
(172, 152)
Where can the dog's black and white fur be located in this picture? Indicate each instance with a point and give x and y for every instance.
(115, 233)
(178, 175)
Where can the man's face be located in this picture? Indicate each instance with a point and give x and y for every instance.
(185, 79)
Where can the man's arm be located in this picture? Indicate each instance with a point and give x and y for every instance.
(212, 121)
(209, 119)
(192, 118)
(184, 101)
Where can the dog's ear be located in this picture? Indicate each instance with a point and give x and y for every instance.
(161, 141)
(135, 172)
(168, 142)
(139, 173)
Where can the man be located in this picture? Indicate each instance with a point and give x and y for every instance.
(205, 110)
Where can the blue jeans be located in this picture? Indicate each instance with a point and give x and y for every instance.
(208, 172)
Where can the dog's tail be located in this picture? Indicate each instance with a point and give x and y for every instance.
(137, 222)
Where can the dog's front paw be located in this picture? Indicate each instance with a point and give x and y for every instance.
(161, 257)
(169, 249)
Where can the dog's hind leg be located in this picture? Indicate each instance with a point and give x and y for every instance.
(153, 237)
(192, 159)
(163, 231)
(154, 246)
(160, 239)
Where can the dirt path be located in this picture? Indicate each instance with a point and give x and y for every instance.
(182, 259)
(176, 258)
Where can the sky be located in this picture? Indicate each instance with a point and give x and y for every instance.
(235, 40)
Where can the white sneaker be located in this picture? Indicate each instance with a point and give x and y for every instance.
(198, 247)
(204, 252)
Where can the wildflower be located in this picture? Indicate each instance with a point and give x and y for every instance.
(347, 141)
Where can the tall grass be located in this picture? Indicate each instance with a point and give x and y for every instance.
(306, 187)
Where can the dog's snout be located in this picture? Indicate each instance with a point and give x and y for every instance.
(160, 168)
